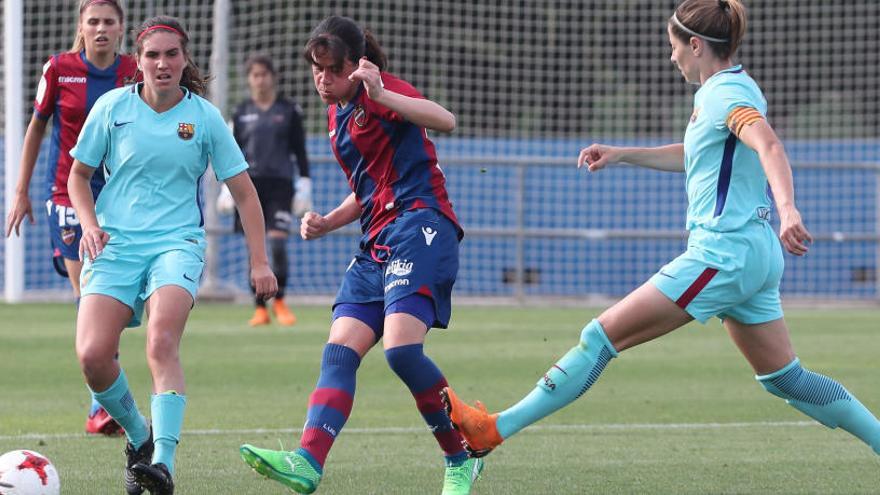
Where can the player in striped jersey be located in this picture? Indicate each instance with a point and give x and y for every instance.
(733, 263)
(70, 84)
(399, 283)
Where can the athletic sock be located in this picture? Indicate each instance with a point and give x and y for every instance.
(278, 259)
(824, 400)
(167, 411)
(425, 381)
(331, 402)
(567, 380)
(121, 406)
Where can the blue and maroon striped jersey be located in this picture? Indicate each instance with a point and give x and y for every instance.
(390, 163)
(68, 88)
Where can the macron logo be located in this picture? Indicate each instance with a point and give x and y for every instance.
(71, 80)
(429, 234)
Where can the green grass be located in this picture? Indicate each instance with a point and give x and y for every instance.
(731, 436)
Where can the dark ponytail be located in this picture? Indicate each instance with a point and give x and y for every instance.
(192, 78)
(342, 39)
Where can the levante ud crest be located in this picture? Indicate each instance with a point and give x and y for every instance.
(186, 131)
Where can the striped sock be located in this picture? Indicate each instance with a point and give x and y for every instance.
(330, 404)
(425, 381)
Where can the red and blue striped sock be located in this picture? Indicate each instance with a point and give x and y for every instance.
(330, 404)
(425, 381)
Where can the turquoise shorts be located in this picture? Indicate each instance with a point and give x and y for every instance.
(131, 273)
(727, 274)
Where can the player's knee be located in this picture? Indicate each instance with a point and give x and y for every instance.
(162, 347)
(402, 357)
(94, 360)
(593, 336)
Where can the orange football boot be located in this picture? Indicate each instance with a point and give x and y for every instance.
(261, 317)
(475, 424)
(284, 315)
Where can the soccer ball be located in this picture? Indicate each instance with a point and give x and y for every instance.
(25, 472)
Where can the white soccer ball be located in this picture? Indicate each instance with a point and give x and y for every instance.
(25, 472)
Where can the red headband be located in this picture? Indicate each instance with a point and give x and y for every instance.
(159, 26)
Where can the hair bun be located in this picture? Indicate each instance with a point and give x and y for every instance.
(723, 4)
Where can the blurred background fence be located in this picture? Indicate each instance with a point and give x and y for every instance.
(531, 82)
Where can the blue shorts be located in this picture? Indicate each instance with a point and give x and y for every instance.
(727, 274)
(64, 230)
(416, 254)
(131, 273)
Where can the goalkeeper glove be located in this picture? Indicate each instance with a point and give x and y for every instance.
(302, 198)
(225, 203)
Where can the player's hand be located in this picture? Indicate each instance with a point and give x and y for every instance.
(263, 280)
(21, 207)
(792, 233)
(302, 198)
(368, 73)
(596, 156)
(313, 226)
(92, 243)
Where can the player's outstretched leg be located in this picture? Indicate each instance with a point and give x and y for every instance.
(824, 400)
(564, 382)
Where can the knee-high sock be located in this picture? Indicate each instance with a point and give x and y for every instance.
(568, 379)
(278, 260)
(331, 402)
(824, 400)
(425, 381)
(120, 405)
(167, 411)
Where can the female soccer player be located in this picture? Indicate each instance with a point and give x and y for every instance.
(398, 285)
(269, 130)
(143, 243)
(69, 86)
(733, 263)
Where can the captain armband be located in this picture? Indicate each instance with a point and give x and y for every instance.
(740, 117)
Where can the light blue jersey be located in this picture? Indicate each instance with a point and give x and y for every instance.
(726, 185)
(154, 162)
(150, 206)
(733, 263)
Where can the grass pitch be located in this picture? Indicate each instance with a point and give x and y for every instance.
(682, 415)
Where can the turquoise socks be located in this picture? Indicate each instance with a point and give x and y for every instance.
(167, 410)
(824, 400)
(567, 380)
(120, 405)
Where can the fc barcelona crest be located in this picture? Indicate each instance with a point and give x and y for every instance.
(186, 131)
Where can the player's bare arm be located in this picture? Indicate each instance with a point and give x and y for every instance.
(760, 137)
(21, 205)
(315, 225)
(667, 158)
(93, 237)
(248, 204)
(421, 112)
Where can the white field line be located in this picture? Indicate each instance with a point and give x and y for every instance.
(407, 430)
